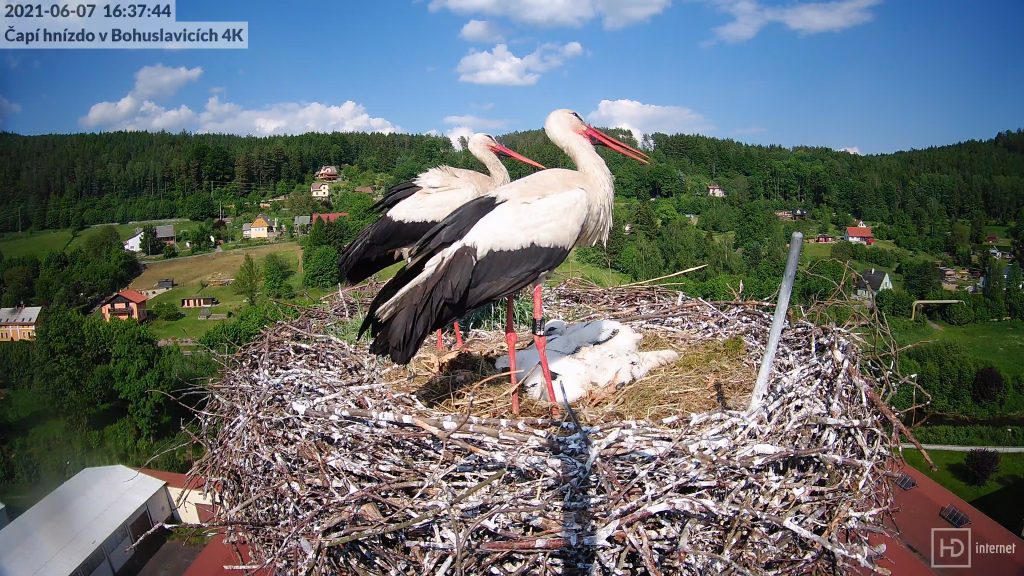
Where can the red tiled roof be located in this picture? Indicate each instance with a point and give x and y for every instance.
(174, 479)
(217, 554)
(859, 231)
(132, 295)
(329, 216)
(915, 513)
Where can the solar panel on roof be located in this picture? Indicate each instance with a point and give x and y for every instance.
(906, 482)
(954, 516)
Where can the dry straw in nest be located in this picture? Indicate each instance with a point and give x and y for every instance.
(329, 461)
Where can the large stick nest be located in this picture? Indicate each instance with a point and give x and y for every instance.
(327, 461)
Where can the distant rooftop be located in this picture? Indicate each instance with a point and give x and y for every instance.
(22, 315)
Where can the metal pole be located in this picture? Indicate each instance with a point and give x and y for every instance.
(785, 290)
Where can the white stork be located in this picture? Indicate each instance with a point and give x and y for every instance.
(416, 206)
(497, 244)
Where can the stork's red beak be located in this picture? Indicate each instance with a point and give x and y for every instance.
(499, 149)
(600, 138)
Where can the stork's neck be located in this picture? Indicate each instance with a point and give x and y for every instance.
(600, 192)
(497, 170)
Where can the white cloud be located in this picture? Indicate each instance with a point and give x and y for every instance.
(481, 31)
(456, 133)
(640, 118)
(289, 118)
(136, 111)
(464, 126)
(501, 66)
(749, 17)
(851, 149)
(613, 13)
(163, 81)
(7, 108)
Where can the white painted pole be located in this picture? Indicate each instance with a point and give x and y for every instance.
(785, 290)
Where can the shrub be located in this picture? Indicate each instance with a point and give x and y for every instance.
(981, 464)
(989, 385)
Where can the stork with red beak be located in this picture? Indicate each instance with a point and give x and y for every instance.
(415, 207)
(495, 245)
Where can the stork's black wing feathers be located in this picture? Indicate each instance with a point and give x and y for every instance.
(374, 249)
(463, 282)
(396, 194)
(453, 227)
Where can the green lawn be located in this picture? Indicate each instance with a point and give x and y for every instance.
(998, 343)
(46, 241)
(999, 498)
(38, 243)
(190, 273)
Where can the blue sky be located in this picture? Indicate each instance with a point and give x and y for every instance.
(870, 75)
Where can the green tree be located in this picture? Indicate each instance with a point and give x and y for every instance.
(321, 267)
(247, 280)
(149, 243)
(166, 310)
(275, 277)
(921, 277)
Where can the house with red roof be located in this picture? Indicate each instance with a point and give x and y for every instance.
(328, 216)
(935, 532)
(859, 235)
(125, 304)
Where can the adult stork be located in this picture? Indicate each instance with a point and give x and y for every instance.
(416, 206)
(495, 245)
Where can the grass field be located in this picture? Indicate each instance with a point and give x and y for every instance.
(46, 241)
(999, 343)
(999, 498)
(190, 272)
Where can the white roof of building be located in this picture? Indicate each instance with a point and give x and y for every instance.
(23, 315)
(57, 534)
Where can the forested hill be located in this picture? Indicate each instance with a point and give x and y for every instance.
(51, 181)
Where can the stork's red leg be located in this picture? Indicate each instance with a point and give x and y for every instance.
(510, 340)
(440, 341)
(458, 336)
(540, 341)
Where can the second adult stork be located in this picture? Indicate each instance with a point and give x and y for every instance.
(414, 207)
(495, 245)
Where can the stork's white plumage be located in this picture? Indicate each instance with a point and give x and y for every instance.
(495, 245)
(415, 207)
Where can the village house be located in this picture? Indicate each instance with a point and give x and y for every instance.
(165, 234)
(328, 216)
(247, 230)
(824, 239)
(134, 244)
(199, 301)
(301, 224)
(364, 189)
(859, 235)
(18, 323)
(320, 190)
(715, 191)
(872, 282)
(328, 173)
(125, 304)
(260, 228)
